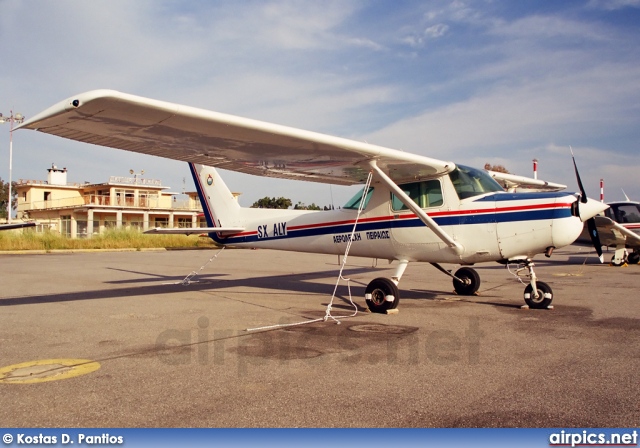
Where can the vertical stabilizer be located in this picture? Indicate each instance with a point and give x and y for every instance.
(220, 208)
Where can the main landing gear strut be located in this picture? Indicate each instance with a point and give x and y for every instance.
(382, 293)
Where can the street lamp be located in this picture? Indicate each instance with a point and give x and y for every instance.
(17, 118)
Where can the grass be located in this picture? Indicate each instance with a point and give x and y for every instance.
(112, 239)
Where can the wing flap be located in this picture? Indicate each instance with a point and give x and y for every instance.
(123, 121)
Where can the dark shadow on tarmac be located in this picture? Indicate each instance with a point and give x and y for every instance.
(299, 284)
(171, 284)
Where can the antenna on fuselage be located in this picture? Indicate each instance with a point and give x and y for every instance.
(626, 198)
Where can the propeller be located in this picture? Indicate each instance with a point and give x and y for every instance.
(591, 222)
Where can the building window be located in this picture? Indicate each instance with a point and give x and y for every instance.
(184, 223)
(47, 195)
(82, 228)
(161, 222)
(65, 225)
(136, 222)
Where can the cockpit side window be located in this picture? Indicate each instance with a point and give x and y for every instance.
(427, 193)
(354, 202)
(628, 213)
(470, 182)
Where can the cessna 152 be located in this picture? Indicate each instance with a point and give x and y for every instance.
(413, 208)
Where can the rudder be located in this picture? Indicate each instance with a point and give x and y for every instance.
(221, 208)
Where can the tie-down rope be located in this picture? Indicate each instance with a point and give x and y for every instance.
(328, 315)
(187, 280)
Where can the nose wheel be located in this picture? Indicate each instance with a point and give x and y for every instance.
(537, 294)
(542, 298)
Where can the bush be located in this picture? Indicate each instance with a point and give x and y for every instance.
(111, 239)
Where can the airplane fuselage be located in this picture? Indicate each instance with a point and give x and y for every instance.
(493, 226)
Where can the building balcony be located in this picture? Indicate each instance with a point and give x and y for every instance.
(110, 202)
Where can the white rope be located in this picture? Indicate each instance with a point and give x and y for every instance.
(346, 254)
(344, 262)
(516, 274)
(187, 280)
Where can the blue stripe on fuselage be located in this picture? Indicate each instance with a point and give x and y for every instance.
(458, 219)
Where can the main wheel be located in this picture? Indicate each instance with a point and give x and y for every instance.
(382, 295)
(470, 281)
(634, 258)
(545, 295)
(619, 263)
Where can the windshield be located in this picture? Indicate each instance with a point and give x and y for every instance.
(354, 202)
(470, 182)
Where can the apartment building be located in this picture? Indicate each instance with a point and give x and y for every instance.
(82, 210)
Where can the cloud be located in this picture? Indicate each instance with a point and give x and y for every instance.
(612, 5)
(450, 79)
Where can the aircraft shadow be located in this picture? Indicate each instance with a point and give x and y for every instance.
(300, 284)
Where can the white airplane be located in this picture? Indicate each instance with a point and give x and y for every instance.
(413, 208)
(620, 228)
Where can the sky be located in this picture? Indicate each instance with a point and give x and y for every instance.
(474, 82)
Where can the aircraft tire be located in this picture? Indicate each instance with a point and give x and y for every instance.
(470, 281)
(634, 258)
(545, 296)
(617, 264)
(377, 292)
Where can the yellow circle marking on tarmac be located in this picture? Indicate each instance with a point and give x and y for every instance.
(46, 370)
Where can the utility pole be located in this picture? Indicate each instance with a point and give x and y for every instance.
(17, 118)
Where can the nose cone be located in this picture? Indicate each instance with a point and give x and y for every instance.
(591, 208)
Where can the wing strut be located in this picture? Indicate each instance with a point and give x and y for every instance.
(415, 208)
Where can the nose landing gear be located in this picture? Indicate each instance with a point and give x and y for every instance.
(537, 294)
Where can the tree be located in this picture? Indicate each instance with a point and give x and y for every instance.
(4, 193)
(313, 206)
(496, 168)
(267, 202)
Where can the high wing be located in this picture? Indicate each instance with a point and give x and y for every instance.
(195, 230)
(512, 182)
(133, 123)
(613, 234)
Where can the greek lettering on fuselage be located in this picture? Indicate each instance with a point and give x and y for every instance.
(373, 235)
(277, 229)
(345, 238)
(378, 235)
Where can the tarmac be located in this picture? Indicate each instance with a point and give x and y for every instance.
(120, 339)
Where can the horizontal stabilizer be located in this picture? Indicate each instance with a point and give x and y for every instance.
(193, 230)
(19, 225)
